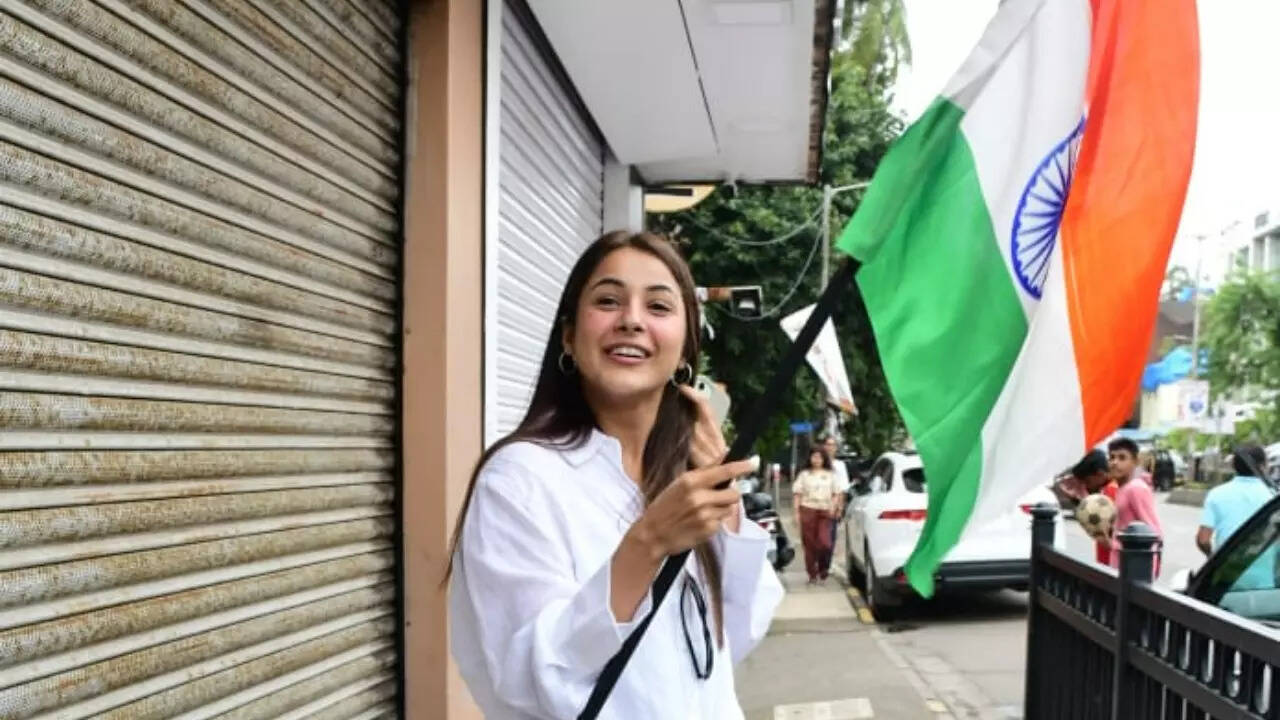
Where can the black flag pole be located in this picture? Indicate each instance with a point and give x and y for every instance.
(748, 431)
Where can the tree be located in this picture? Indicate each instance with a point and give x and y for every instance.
(875, 35)
(745, 354)
(1242, 334)
(1175, 281)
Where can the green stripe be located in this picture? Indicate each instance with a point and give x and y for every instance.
(947, 319)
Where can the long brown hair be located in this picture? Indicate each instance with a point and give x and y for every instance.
(559, 416)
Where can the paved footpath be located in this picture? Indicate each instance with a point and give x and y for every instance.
(823, 660)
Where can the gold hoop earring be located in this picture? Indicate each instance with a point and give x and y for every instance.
(561, 363)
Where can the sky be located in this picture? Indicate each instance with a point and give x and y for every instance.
(1236, 173)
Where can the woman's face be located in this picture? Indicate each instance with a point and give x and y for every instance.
(629, 332)
(815, 460)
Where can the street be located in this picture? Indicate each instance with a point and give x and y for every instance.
(957, 656)
(970, 649)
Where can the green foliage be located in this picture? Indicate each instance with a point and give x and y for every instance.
(1178, 439)
(1242, 333)
(875, 33)
(1177, 279)
(1263, 428)
(745, 354)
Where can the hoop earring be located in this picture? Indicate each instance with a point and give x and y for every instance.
(560, 363)
(685, 368)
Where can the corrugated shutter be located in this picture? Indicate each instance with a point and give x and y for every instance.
(550, 205)
(198, 263)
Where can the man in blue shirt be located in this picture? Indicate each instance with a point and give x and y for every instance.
(1229, 505)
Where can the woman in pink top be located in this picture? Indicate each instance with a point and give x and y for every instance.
(1135, 500)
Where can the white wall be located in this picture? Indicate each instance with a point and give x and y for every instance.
(623, 200)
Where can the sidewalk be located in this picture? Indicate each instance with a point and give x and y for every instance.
(820, 660)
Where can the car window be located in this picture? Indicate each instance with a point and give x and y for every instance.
(913, 480)
(1245, 581)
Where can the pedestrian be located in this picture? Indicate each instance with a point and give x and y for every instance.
(1229, 505)
(1135, 499)
(830, 446)
(815, 493)
(1126, 460)
(615, 466)
(1094, 477)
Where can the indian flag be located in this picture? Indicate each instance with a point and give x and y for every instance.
(1013, 243)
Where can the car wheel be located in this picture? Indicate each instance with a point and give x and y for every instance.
(855, 575)
(875, 597)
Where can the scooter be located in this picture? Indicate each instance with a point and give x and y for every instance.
(759, 508)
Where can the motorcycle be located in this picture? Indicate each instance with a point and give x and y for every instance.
(759, 509)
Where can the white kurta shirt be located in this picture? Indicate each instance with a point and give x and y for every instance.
(529, 602)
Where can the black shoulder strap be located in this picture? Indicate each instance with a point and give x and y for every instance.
(746, 438)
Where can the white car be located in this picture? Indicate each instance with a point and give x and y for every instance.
(884, 521)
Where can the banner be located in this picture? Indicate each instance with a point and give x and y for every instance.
(1193, 403)
(825, 359)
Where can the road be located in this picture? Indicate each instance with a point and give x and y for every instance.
(971, 649)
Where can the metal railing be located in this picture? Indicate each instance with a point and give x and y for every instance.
(1112, 646)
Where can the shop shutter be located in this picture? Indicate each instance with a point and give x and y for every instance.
(198, 297)
(550, 204)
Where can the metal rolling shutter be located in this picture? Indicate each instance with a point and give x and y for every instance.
(550, 206)
(198, 262)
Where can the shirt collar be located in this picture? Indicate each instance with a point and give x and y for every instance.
(1248, 478)
(594, 444)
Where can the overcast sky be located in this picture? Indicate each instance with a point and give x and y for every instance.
(1237, 161)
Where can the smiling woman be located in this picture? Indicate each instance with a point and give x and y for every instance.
(614, 467)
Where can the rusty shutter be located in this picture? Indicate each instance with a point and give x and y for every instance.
(198, 297)
(550, 206)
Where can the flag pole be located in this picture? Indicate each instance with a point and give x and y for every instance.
(748, 432)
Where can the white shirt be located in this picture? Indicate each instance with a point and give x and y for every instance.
(529, 603)
(842, 475)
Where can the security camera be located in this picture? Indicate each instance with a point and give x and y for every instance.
(747, 301)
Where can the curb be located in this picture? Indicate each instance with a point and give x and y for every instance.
(1187, 496)
(860, 606)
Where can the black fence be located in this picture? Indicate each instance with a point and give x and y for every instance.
(1111, 646)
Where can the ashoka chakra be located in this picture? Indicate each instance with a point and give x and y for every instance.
(1035, 224)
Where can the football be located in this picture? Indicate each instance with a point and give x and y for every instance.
(1097, 515)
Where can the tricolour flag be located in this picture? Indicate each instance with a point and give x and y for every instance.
(1013, 243)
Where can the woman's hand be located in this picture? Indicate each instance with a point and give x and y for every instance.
(685, 514)
(707, 447)
(691, 509)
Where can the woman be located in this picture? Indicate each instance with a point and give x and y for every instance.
(615, 466)
(817, 497)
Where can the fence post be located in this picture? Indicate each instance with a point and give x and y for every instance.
(1043, 518)
(1137, 565)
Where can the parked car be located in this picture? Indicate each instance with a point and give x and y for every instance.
(884, 521)
(1243, 575)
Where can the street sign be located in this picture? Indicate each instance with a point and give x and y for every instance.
(801, 427)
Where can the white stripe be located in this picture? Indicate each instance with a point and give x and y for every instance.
(1027, 105)
(1037, 427)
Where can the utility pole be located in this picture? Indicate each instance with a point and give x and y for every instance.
(828, 194)
(1195, 316)
(1195, 346)
(830, 417)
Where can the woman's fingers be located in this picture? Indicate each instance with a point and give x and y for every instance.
(705, 413)
(717, 474)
